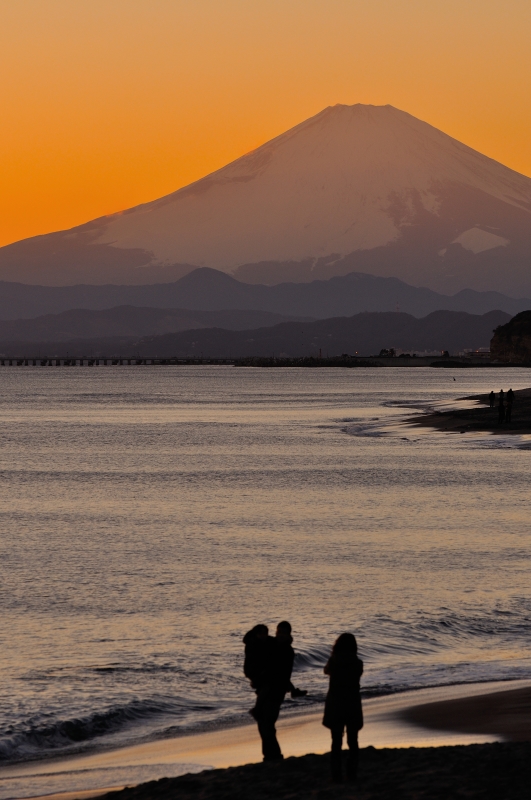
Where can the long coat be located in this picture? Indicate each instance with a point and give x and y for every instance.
(343, 701)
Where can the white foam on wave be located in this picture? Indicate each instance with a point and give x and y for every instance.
(90, 779)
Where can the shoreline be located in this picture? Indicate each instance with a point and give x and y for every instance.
(507, 714)
(289, 714)
(477, 772)
(388, 726)
(479, 418)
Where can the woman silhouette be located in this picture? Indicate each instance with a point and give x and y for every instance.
(343, 703)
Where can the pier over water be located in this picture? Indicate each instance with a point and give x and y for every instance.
(56, 361)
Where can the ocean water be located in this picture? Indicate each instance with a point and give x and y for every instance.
(150, 515)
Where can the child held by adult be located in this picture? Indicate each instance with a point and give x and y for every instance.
(343, 704)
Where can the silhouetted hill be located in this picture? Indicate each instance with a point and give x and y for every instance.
(130, 321)
(365, 334)
(512, 341)
(211, 290)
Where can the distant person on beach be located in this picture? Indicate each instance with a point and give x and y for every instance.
(509, 406)
(491, 399)
(269, 664)
(343, 704)
(501, 409)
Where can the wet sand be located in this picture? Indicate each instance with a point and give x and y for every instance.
(480, 417)
(506, 714)
(498, 770)
(485, 772)
(435, 724)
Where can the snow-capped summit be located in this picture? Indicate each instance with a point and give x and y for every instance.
(365, 188)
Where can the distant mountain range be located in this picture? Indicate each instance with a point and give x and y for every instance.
(364, 334)
(212, 290)
(358, 188)
(131, 321)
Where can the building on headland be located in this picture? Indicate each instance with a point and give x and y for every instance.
(480, 352)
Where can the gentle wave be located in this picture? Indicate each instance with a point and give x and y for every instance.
(37, 738)
(311, 658)
(400, 654)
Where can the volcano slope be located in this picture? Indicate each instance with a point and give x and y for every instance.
(359, 188)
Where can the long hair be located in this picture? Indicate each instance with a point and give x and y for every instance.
(345, 645)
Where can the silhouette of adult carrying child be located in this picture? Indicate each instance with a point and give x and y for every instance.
(268, 665)
(343, 704)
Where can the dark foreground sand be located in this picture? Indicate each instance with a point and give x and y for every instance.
(497, 771)
(484, 771)
(480, 418)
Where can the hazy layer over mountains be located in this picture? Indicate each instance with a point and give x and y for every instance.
(130, 321)
(214, 291)
(364, 334)
(356, 188)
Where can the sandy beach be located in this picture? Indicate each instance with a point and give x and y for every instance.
(409, 737)
(496, 770)
(479, 417)
(485, 772)
(506, 714)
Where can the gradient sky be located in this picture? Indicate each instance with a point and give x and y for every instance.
(109, 103)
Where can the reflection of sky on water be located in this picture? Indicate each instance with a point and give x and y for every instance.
(151, 515)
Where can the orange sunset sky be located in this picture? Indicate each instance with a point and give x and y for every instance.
(109, 103)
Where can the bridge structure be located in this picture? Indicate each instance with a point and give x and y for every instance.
(57, 361)
(309, 361)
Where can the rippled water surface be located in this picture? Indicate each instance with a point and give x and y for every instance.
(151, 515)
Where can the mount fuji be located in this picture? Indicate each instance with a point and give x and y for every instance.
(358, 188)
